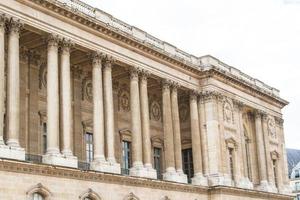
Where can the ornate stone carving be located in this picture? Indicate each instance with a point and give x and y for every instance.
(124, 98)
(108, 61)
(3, 20)
(77, 71)
(134, 73)
(43, 76)
(155, 109)
(15, 25)
(90, 194)
(271, 127)
(52, 40)
(96, 58)
(39, 188)
(279, 121)
(166, 84)
(165, 198)
(274, 155)
(144, 74)
(208, 95)
(228, 112)
(183, 112)
(87, 89)
(131, 196)
(66, 44)
(193, 95)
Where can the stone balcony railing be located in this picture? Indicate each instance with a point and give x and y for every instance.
(204, 62)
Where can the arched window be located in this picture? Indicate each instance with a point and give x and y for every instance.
(89, 195)
(37, 196)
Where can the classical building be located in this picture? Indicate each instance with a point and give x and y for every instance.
(93, 108)
(293, 156)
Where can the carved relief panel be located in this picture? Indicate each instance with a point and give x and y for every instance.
(87, 89)
(124, 98)
(155, 108)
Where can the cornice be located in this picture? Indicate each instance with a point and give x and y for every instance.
(64, 172)
(250, 89)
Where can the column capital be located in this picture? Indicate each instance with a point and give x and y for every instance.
(279, 121)
(207, 95)
(193, 95)
(52, 40)
(66, 44)
(166, 84)
(108, 61)
(96, 58)
(144, 74)
(259, 113)
(15, 25)
(238, 104)
(134, 72)
(3, 20)
(175, 85)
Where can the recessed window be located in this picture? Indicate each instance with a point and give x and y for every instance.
(231, 163)
(157, 161)
(275, 172)
(126, 154)
(44, 137)
(89, 148)
(37, 196)
(297, 173)
(187, 162)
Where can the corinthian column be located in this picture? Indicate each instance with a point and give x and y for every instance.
(2, 76)
(98, 117)
(13, 84)
(67, 120)
(135, 120)
(145, 120)
(176, 132)
(52, 97)
(198, 178)
(264, 185)
(109, 115)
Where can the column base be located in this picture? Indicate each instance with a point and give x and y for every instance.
(199, 179)
(218, 179)
(60, 160)
(286, 189)
(143, 171)
(172, 175)
(12, 152)
(267, 187)
(244, 183)
(106, 166)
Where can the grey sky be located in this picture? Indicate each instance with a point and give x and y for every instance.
(259, 37)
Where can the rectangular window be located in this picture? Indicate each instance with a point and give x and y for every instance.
(297, 186)
(231, 163)
(275, 173)
(89, 148)
(297, 173)
(44, 137)
(157, 161)
(126, 153)
(187, 162)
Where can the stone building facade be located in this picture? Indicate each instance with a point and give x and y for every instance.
(93, 108)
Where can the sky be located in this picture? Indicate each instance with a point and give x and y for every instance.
(259, 37)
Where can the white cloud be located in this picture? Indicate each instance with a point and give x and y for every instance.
(260, 38)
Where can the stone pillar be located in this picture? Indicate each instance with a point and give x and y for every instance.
(170, 172)
(98, 116)
(2, 76)
(114, 167)
(176, 132)
(66, 98)
(269, 162)
(13, 93)
(210, 100)
(198, 178)
(203, 136)
(53, 155)
(136, 132)
(264, 185)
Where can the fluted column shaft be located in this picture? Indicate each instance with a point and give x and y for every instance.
(196, 141)
(201, 114)
(67, 121)
(52, 96)
(13, 84)
(145, 120)
(260, 147)
(2, 76)
(176, 129)
(98, 117)
(168, 127)
(109, 110)
(135, 119)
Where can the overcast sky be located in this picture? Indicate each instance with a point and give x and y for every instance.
(259, 37)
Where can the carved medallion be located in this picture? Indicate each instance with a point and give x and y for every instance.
(155, 111)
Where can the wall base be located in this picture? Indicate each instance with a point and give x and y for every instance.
(60, 160)
(105, 166)
(172, 175)
(16, 153)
